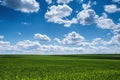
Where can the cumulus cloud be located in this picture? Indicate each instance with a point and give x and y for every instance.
(112, 44)
(20, 47)
(116, 29)
(27, 45)
(59, 11)
(55, 49)
(68, 23)
(86, 6)
(26, 6)
(111, 8)
(97, 45)
(104, 22)
(42, 37)
(57, 14)
(115, 41)
(57, 40)
(5, 46)
(64, 1)
(87, 16)
(97, 41)
(70, 44)
(1, 37)
(73, 39)
(34, 47)
(4, 43)
(49, 1)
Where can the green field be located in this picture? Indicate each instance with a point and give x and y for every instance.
(67, 67)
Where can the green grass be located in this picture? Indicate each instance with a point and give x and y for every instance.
(67, 67)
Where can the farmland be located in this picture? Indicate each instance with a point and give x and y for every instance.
(62, 67)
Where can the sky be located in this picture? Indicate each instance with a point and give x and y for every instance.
(59, 26)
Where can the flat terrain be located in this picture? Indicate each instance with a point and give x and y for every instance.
(64, 67)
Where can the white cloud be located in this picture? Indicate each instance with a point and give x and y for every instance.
(64, 1)
(104, 22)
(20, 47)
(42, 37)
(87, 16)
(72, 43)
(116, 29)
(111, 8)
(100, 46)
(1, 37)
(49, 1)
(27, 45)
(58, 14)
(78, 45)
(86, 6)
(34, 47)
(4, 43)
(59, 11)
(89, 5)
(116, 1)
(97, 41)
(115, 41)
(26, 6)
(73, 39)
(57, 40)
(55, 49)
(97, 45)
(68, 23)
(5, 46)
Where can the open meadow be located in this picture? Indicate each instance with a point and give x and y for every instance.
(62, 67)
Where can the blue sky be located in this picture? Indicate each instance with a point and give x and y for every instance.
(59, 26)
